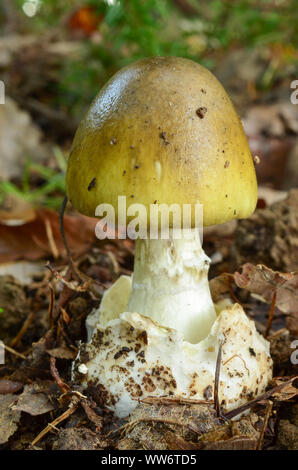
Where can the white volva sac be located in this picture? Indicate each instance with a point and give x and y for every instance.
(131, 355)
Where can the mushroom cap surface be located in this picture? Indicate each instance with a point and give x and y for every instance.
(163, 131)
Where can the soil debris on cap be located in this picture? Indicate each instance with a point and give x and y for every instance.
(92, 184)
(163, 136)
(201, 112)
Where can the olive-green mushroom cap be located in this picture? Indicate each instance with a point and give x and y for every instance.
(163, 130)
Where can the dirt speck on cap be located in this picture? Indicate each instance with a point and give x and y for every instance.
(163, 136)
(92, 184)
(201, 112)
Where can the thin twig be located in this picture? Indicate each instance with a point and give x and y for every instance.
(239, 357)
(12, 351)
(71, 393)
(23, 330)
(51, 239)
(61, 224)
(51, 303)
(271, 314)
(265, 423)
(216, 381)
(54, 423)
(231, 414)
(62, 385)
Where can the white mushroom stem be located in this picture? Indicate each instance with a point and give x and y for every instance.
(170, 284)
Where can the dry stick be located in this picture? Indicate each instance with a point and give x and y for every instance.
(266, 419)
(271, 314)
(62, 385)
(51, 303)
(216, 381)
(51, 239)
(23, 330)
(12, 351)
(231, 414)
(56, 421)
(61, 225)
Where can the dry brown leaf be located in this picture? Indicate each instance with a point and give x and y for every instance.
(62, 352)
(286, 393)
(13, 210)
(9, 417)
(92, 415)
(41, 237)
(265, 282)
(35, 399)
(10, 386)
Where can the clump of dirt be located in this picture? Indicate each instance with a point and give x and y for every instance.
(287, 435)
(14, 307)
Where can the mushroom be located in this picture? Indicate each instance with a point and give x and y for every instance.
(164, 131)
